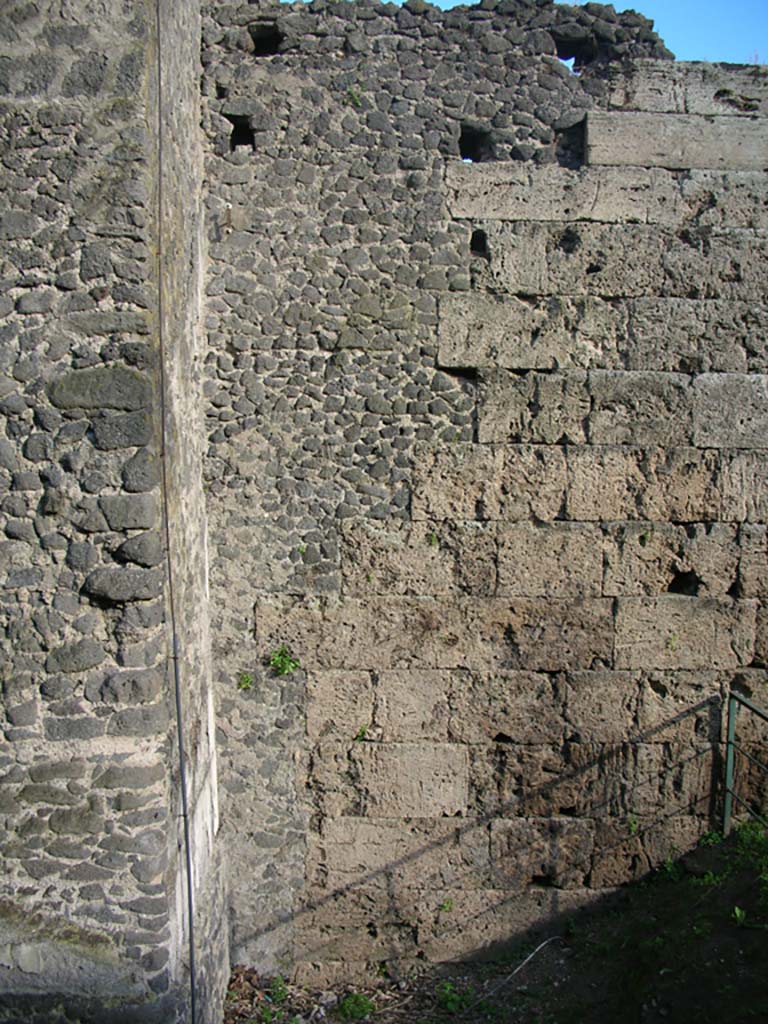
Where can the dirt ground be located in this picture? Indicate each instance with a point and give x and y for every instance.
(687, 944)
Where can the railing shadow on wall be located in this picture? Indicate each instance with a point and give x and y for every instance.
(554, 904)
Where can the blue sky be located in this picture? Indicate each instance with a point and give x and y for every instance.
(715, 30)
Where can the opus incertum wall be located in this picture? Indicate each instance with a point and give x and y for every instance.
(464, 377)
(103, 554)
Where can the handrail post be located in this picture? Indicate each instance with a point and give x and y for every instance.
(733, 709)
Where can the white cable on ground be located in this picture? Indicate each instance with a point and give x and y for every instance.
(509, 977)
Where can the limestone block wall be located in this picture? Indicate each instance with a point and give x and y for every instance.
(99, 303)
(477, 328)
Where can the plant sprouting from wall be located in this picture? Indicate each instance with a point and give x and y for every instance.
(282, 662)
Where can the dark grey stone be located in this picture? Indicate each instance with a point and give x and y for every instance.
(76, 657)
(137, 686)
(146, 905)
(81, 556)
(23, 578)
(130, 511)
(42, 793)
(130, 430)
(53, 502)
(77, 821)
(26, 481)
(146, 721)
(68, 849)
(95, 261)
(38, 448)
(57, 770)
(119, 322)
(143, 616)
(73, 728)
(117, 586)
(88, 872)
(141, 472)
(130, 777)
(145, 549)
(90, 521)
(102, 387)
(39, 301)
(86, 76)
(18, 224)
(23, 714)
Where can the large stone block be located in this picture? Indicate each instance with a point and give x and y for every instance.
(733, 199)
(639, 408)
(655, 558)
(693, 335)
(392, 780)
(550, 560)
(627, 261)
(575, 406)
(669, 334)
(685, 485)
(542, 634)
(531, 851)
(481, 634)
(417, 853)
(513, 192)
(487, 924)
(674, 775)
(761, 636)
(682, 706)
(731, 410)
(538, 408)
(488, 482)
(601, 707)
(416, 705)
(476, 329)
(506, 707)
(610, 195)
(753, 565)
(745, 486)
(676, 141)
(395, 558)
(361, 923)
(683, 632)
(584, 779)
(621, 856)
(544, 779)
(339, 704)
(694, 87)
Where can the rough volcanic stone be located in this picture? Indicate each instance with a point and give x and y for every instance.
(102, 387)
(137, 686)
(132, 429)
(117, 586)
(130, 511)
(146, 549)
(76, 657)
(141, 472)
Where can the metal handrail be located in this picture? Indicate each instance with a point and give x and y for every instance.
(735, 701)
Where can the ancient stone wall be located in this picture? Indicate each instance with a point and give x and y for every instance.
(479, 343)
(100, 469)
(478, 330)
